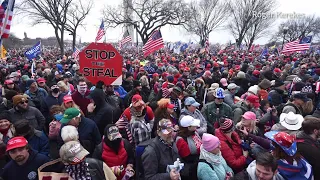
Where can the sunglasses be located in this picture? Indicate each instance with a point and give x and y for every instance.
(22, 102)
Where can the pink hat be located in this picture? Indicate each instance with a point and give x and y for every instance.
(249, 116)
(210, 142)
(224, 82)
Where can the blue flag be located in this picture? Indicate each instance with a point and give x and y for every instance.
(34, 51)
(184, 47)
(264, 52)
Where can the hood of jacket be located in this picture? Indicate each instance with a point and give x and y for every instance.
(98, 96)
(251, 170)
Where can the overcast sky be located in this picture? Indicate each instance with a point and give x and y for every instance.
(172, 34)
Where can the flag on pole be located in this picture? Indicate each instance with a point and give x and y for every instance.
(76, 52)
(206, 45)
(297, 45)
(126, 39)
(101, 32)
(154, 43)
(6, 13)
(33, 70)
(34, 51)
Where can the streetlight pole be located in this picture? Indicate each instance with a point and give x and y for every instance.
(285, 31)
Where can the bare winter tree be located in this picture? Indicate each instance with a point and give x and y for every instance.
(206, 16)
(297, 28)
(76, 14)
(249, 19)
(147, 15)
(52, 12)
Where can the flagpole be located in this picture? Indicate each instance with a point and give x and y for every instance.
(5, 21)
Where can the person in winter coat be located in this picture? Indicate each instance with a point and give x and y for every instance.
(55, 97)
(36, 94)
(188, 142)
(80, 95)
(264, 167)
(115, 152)
(216, 110)
(291, 165)
(210, 153)
(89, 135)
(159, 154)
(7, 102)
(24, 161)
(249, 104)
(276, 95)
(120, 90)
(36, 139)
(231, 149)
(289, 123)
(230, 94)
(22, 111)
(6, 132)
(164, 111)
(308, 145)
(114, 99)
(78, 166)
(99, 111)
(190, 109)
(137, 89)
(10, 85)
(137, 110)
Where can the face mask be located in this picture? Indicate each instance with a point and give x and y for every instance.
(82, 89)
(55, 90)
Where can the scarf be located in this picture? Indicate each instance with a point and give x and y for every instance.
(4, 132)
(165, 143)
(79, 171)
(213, 159)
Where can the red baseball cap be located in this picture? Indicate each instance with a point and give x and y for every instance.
(16, 142)
(40, 80)
(155, 75)
(136, 98)
(67, 99)
(170, 106)
(256, 72)
(8, 81)
(254, 100)
(277, 70)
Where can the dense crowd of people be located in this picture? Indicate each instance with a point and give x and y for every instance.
(235, 115)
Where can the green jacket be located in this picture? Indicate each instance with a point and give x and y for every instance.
(210, 113)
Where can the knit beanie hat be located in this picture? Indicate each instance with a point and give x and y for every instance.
(265, 84)
(136, 83)
(227, 126)
(29, 82)
(210, 142)
(18, 99)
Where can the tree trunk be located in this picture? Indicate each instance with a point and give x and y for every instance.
(62, 41)
(56, 32)
(74, 39)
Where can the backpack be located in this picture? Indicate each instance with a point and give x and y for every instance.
(194, 169)
(139, 151)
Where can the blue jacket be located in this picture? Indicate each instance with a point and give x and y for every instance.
(121, 92)
(39, 142)
(27, 171)
(220, 167)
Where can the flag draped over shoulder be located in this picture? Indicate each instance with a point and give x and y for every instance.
(297, 45)
(154, 43)
(6, 13)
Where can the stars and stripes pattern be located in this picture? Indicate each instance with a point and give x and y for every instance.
(298, 45)
(76, 53)
(101, 32)
(126, 39)
(154, 43)
(6, 13)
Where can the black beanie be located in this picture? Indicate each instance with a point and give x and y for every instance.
(136, 83)
(5, 115)
(9, 94)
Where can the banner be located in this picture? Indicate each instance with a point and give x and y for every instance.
(34, 51)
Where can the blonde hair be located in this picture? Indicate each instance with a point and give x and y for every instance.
(307, 108)
(63, 85)
(162, 103)
(253, 127)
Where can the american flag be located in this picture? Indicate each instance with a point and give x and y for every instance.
(75, 52)
(6, 13)
(154, 43)
(101, 32)
(297, 45)
(126, 39)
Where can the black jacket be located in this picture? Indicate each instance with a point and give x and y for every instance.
(310, 150)
(48, 102)
(103, 113)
